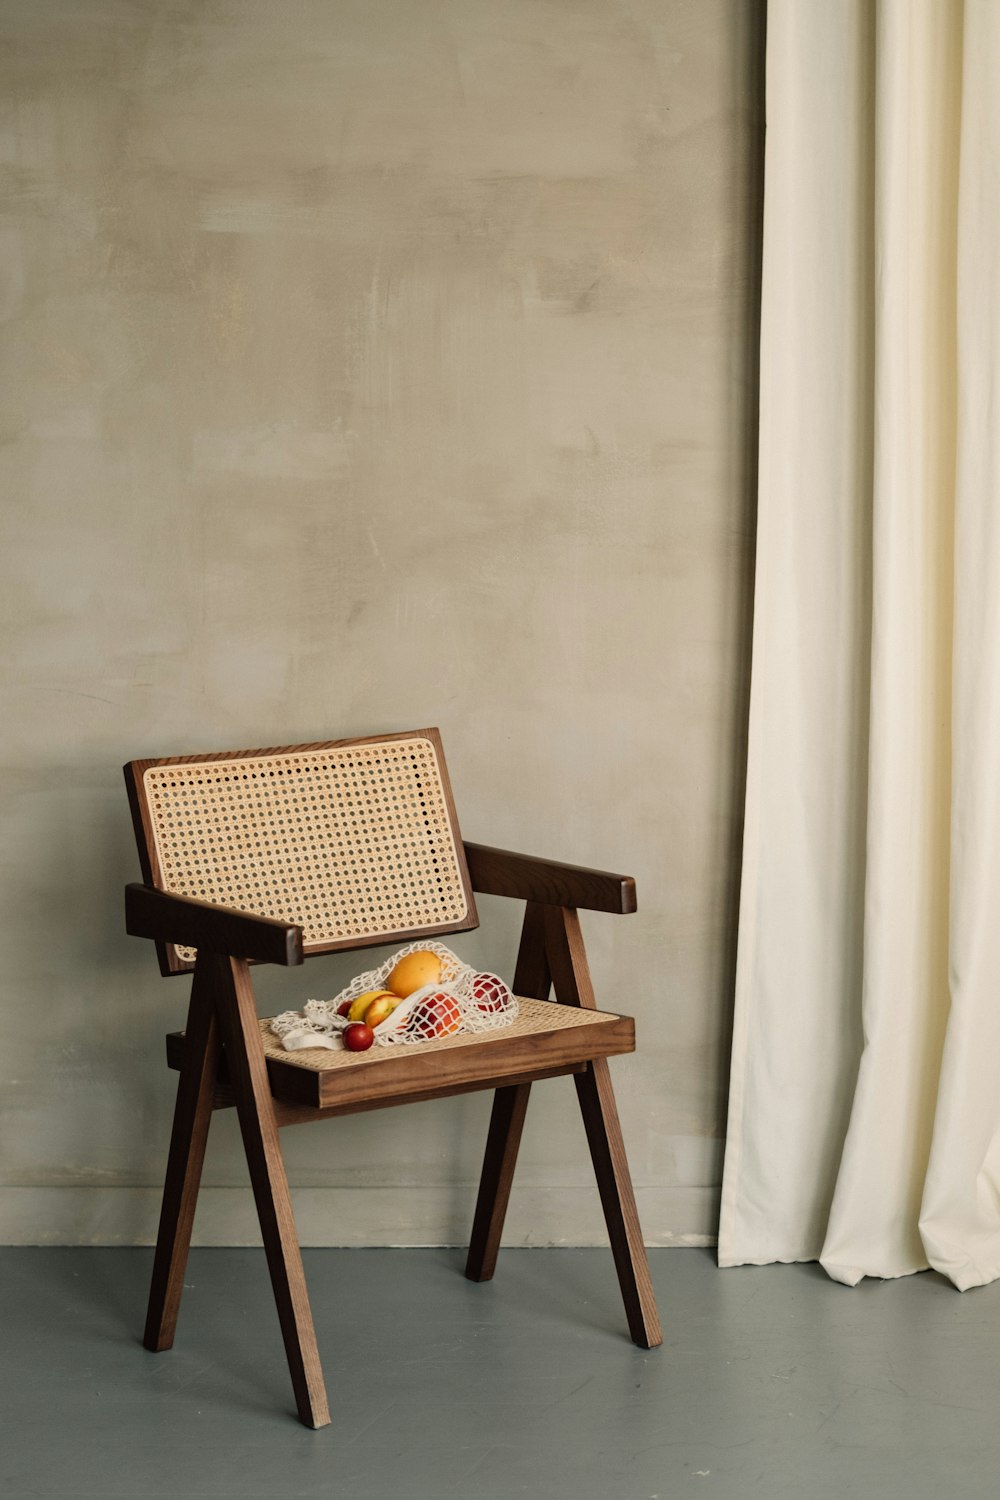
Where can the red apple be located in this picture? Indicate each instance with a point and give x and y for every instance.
(358, 1037)
(489, 993)
(344, 1007)
(437, 1015)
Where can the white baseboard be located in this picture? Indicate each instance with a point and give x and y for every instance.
(350, 1216)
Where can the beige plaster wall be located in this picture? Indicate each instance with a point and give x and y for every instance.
(368, 366)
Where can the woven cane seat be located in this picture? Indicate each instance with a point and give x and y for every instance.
(543, 1036)
(353, 841)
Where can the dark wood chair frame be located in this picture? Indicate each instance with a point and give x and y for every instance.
(222, 1064)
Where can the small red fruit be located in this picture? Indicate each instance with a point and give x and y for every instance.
(489, 993)
(343, 1007)
(358, 1037)
(437, 1015)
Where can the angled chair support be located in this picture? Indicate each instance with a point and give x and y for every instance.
(227, 1058)
(552, 953)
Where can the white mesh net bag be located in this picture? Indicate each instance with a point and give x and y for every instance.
(446, 996)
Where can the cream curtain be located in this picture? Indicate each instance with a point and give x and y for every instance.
(864, 1126)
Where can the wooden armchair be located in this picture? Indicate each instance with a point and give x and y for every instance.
(268, 856)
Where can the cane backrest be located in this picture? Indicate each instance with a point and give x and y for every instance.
(356, 841)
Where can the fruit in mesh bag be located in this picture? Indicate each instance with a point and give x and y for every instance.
(490, 993)
(438, 1014)
(356, 1010)
(413, 972)
(380, 1007)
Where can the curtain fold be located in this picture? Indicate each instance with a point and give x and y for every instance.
(864, 1124)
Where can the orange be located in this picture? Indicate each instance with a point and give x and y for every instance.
(413, 972)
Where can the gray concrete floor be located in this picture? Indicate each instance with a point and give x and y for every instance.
(771, 1382)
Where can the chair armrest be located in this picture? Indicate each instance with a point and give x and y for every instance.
(499, 872)
(218, 929)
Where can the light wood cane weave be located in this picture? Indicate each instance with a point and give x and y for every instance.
(545, 1038)
(534, 1018)
(353, 842)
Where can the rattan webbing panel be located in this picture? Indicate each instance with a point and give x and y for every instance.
(353, 842)
(534, 1018)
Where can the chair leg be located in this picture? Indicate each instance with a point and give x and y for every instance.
(571, 976)
(192, 1117)
(506, 1124)
(237, 1015)
(604, 1135)
(532, 979)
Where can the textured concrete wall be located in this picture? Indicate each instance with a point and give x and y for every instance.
(369, 366)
